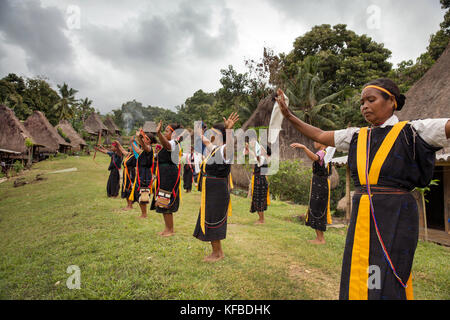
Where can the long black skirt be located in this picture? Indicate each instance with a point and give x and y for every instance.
(398, 222)
(217, 199)
(127, 185)
(259, 194)
(113, 185)
(145, 179)
(187, 178)
(168, 181)
(316, 216)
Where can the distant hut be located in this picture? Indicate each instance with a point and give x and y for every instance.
(430, 98)
(13, 137)
(149, 127)
(93, 125)
(77, 143)
(113, 129)
(45, 134)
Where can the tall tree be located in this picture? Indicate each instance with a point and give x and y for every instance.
(64, 108)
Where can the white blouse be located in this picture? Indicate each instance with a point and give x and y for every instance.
(432, 131)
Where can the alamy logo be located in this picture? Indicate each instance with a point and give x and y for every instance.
(74, 281)
(374, 280)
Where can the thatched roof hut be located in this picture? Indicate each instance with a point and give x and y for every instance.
(288, 135)
(113, 129)
(76, 141)
(149, 127)
(13, 134)
(93, 125)
(45, 134)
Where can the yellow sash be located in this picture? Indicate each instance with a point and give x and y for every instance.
(358, 286)
(203, 199)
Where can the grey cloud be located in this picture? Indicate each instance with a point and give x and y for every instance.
(38, 31)
(163, 39)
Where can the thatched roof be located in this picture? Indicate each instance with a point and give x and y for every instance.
(111, 125)
(75, 140)
(44, 133)
(261, 117)
(94, 124)
(149, 127)
(430, 96)
(12, 132)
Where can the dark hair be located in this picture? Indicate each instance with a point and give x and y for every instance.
(152, 138)
(176, 126)
(221, 128)
(390, 86)
(269, 151)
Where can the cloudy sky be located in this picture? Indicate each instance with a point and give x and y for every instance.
(160, 52)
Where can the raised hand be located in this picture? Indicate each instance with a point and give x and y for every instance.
(232, 119)
(298, 145)
(282, 103)
(158, 128)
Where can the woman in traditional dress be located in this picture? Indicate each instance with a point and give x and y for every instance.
(129, 174)
(216, 187)
(113, 184)
(318, 214)
(141, 150)
(259, 183)
(166, 199)
(188, 170)
(387, 160)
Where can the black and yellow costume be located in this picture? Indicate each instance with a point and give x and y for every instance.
(129, 174)
(215, 185)
(398, 161)
(260, 190)
(143, 178)
(318, 214)
(168, 179)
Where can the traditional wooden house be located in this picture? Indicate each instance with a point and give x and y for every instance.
(77, 143)
(430, 98)
(94, 125)
(14, 137)
(45, 134)
(113, 129)
(149, 127)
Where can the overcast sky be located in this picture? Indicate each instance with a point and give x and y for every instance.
(160, 52)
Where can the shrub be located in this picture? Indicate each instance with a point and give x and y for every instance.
(291, 182)
(18, 166)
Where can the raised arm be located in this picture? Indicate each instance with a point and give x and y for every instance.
(309, 153)
(229, 124)
(122, 150)
(164, 142)
(314, 133)
(144, 141)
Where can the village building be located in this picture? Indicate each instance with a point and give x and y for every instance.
(76, 141)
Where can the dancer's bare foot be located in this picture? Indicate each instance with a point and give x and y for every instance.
(214, 257)
(166, 233)
(126, 209)
(259, 222)
(142, 217)
(316, 241)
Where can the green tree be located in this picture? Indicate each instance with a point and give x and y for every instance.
(38, 95)
(64, 108)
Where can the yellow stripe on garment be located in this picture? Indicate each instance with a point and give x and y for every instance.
(358, 289)
(409, 289)
(361, 155)
(253, 184)
(268, 194)
(203, 201)
(329, 221)
(203, 205)
(383, 152)
(230, 209)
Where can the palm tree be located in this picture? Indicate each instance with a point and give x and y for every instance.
(64, 107)
(310, 97)
(85, 109)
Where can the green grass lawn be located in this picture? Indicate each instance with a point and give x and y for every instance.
(67, 219)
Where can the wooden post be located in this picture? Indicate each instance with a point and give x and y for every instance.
(347, 194)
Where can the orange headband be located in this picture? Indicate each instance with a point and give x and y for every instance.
(216, 131)
(171, 129)
(385, 91)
